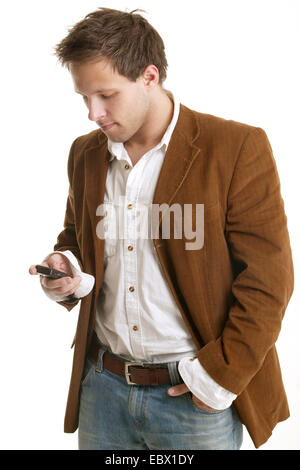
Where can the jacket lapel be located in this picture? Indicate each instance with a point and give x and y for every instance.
(181, 153)
(96, 167)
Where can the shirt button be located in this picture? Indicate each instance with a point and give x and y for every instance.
(131, 288)
(129, 206)
(127, 166)
(135, 328)
(130, 247)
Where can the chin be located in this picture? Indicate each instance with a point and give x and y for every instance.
(119, 138)
(115, 139)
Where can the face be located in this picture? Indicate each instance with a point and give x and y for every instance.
(118, 105)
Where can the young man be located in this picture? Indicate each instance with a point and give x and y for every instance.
(175, 342)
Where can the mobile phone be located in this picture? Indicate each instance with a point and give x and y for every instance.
(49, 272)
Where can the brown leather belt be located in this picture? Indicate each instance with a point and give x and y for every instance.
(135, 373)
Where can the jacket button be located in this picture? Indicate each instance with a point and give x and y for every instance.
(127, 166)
(131, 288)
(135, 328)
(130, 247)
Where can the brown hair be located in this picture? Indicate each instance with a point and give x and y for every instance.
(127, 40)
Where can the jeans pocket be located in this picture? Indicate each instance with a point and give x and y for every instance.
(87, 371)
(202, 410)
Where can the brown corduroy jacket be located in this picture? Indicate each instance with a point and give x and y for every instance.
(233, 292)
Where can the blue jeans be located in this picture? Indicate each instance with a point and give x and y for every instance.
(117, 416)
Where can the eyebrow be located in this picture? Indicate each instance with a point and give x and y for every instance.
(98, 91)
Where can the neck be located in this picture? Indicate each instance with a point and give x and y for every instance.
(158, 119)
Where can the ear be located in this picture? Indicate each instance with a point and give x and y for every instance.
(151, 75)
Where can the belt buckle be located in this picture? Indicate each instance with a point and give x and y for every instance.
(127, 373)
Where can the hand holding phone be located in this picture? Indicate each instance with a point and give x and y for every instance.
(51, 272)
(56, 277)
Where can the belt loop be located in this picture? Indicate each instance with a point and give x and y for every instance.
(174, 373)
(101, 350)
(99, 366)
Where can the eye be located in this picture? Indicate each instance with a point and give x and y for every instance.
(107, 96)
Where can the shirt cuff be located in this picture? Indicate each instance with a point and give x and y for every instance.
(203, 386)
(87, 280)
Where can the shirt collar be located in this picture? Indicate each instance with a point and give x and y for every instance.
(117, 149)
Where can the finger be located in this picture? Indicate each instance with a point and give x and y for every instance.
(70, 292)
(54, 258)
(56, 284)
(178, 390)
(62, 266)
(72, 287)
(200, 404)
(32, 269)
(62, 286)
(60, 262)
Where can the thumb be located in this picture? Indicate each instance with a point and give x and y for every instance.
(178, 390)
(32, 269)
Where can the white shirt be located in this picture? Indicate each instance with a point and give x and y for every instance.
(136, 314)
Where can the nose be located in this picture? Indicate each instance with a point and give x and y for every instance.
(97, 111)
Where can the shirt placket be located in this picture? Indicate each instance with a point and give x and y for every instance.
(133, 184)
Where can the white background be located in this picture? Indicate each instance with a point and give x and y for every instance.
(231, 58)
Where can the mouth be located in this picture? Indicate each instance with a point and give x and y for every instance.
(107, 126)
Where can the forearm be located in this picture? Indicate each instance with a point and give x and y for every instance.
(203, 386)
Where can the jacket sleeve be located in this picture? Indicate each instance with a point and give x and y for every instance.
(258, 240)
(67, 239)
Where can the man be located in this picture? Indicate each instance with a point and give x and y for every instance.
(200, 321)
